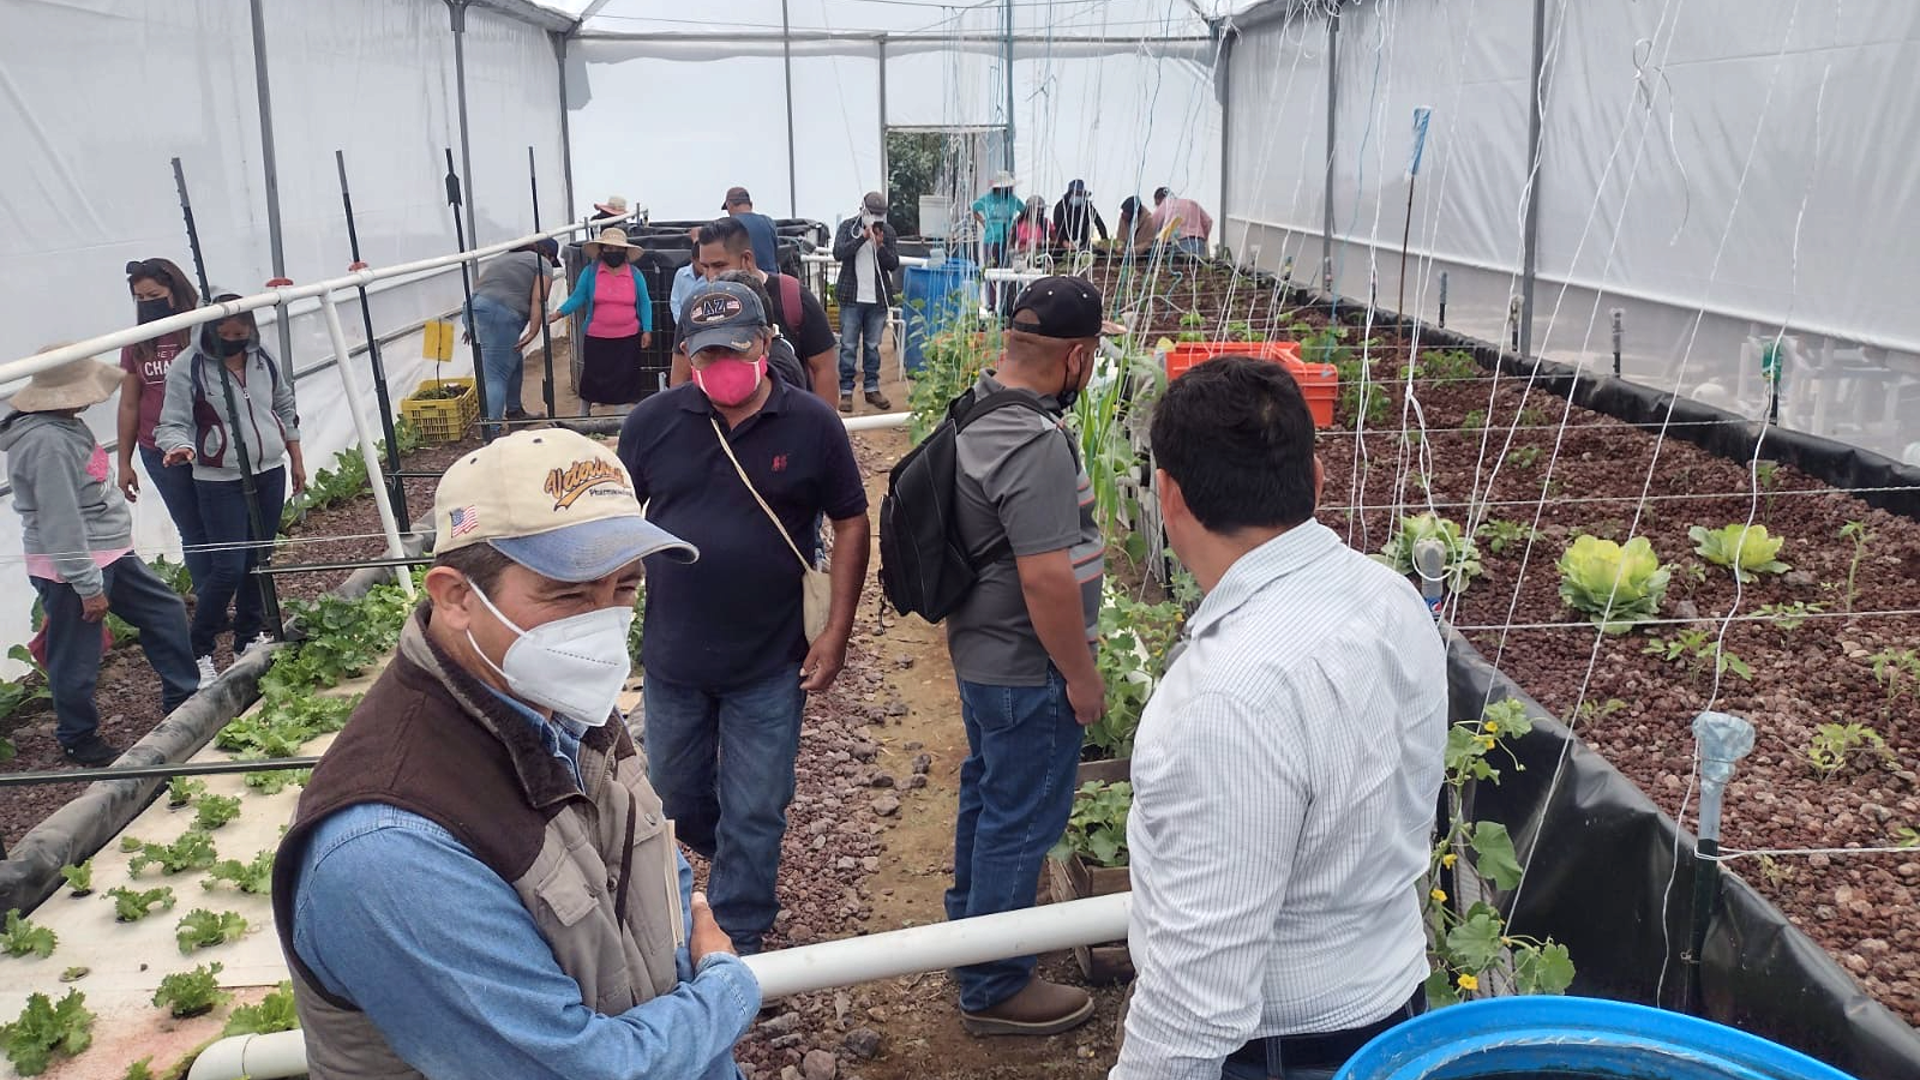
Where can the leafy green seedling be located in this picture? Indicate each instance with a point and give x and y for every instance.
(131, 906)
(1463, 557)
(1523, 457)
(182, 790)
(1897, 670)
(1618, 586)
(254, 877)
(1698, 649)
(44, 1029)
(1501, 535)
(1097, 827)
(213, 811)
(274, 1013)
(1747, 550)
(201, 929)
(1861, 536)
(1789, 617)
(140, 1070)
(1835, 746)
(191, 993)
(23, 938)
(193, 851)
(79, 878)
(274, 781)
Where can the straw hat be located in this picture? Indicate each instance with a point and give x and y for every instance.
(1003, 179)
(615, 205)
(609, 237)
(75, 384)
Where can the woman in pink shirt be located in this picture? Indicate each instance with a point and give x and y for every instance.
(618, 322)
(159, 289)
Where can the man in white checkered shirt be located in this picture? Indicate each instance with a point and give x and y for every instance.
(1286, 771)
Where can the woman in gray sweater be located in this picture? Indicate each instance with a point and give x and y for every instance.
(78, 536)
(198, 426)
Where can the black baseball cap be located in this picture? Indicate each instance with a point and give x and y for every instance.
(721, 313)
(1063, 307)
(736, 196)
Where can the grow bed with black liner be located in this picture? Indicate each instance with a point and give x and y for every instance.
(1600, 474)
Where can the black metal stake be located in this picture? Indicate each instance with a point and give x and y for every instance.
(1443, 299)
(396, 487)
(546, 331)
(1619, 334)
(466, 291)
(258, 531)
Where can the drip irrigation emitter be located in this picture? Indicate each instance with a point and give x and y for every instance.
(1720, 741)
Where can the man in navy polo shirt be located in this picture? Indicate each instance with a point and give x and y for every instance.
(727, 663)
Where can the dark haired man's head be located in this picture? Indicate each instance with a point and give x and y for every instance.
(1234, 442)
(723, 245)
(1160, 195)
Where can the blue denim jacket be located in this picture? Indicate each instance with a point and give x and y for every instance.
(397, 916)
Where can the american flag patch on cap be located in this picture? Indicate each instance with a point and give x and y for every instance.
(465, 519)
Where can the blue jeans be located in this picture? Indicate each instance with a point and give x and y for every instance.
(73, 644)
(1195, 246)
(721, 760)
(1016, 789)
(175, 485)
(497, 328)
(230, 578)
(861, 325)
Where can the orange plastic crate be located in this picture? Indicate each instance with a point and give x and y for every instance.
(1319, 383)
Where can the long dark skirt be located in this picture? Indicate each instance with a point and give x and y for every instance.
(611, 372)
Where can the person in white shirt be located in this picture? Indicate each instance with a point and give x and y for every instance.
(1286, 770)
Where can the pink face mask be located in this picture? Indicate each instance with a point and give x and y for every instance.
(730, 382)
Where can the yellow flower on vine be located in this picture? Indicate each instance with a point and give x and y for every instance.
(1448, 860)
(1439, 896)
(1486, 742)
(1467, 982)
(1490, 726)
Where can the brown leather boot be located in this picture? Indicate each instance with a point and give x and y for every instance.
(1040, 1008)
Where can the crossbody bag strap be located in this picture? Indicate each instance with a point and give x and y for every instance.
(755, 492)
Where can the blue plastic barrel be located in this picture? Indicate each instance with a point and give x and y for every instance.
(934, 298)
(1571, 1038)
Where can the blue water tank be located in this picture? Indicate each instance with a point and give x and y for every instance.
(932, 299)
(1571, 1038)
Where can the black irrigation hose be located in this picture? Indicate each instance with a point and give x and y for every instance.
(147, 772)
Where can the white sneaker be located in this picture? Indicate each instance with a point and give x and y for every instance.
(207, 672)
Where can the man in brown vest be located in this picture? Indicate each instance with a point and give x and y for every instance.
(479, 881)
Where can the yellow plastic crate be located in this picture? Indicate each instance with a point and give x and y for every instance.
(441, 419)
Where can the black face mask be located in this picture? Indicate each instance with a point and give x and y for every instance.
(1068, 394)
(157, 308)
(229, 347)
(614, 259)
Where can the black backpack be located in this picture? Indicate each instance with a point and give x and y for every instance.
(924, 568)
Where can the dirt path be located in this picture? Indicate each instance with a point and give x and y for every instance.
(917, 1017)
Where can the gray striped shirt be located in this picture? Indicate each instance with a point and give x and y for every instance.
(1285, 778)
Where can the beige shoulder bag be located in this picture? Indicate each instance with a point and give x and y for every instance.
(816, 586)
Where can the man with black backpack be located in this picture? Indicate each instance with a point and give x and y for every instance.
(1018, 581)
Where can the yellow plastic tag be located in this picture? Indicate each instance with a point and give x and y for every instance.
(437, 343)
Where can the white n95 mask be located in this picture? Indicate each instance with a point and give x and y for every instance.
(575, 666)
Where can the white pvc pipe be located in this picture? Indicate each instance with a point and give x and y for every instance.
(938, 946)
(785, 972)
(369, 448)
(27, 366)
(876, 421)
(821, 258)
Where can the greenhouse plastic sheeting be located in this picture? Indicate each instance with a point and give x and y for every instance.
(88, 186)
(1714, 178)
(1119, 94)
(1616, 899)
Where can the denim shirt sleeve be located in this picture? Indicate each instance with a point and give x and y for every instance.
(398, 917)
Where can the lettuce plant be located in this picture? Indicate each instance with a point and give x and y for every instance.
(1463, 555)
(1746, 550)
(1617, 586)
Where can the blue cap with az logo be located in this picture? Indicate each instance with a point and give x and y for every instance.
(721, 314)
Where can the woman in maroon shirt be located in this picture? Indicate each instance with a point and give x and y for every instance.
(159, 289)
